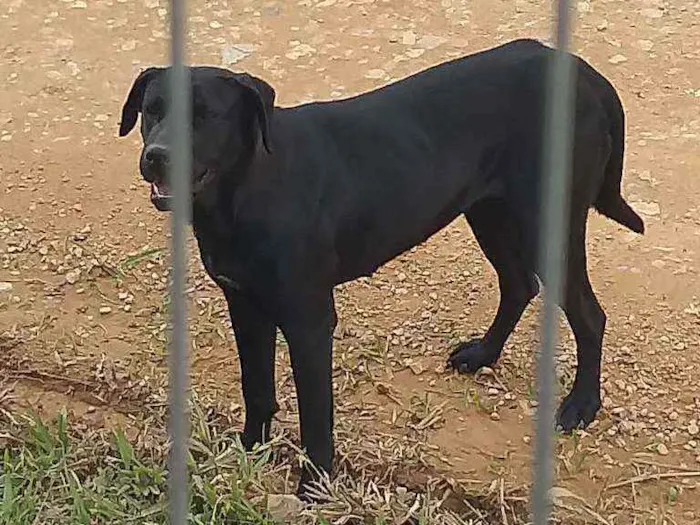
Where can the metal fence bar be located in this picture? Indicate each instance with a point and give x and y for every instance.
(180, 168)
(556, 155)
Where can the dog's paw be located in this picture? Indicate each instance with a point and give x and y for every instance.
(250, 439)
(471, 356)
(578, 410)
(254, 432)
(309, 490)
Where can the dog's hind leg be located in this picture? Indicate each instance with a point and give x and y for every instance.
(587, 320)
(500, 236)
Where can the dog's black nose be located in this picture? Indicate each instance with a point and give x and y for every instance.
(156, 154)
(155, 162)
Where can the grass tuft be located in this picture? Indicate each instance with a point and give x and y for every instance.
(55, 474)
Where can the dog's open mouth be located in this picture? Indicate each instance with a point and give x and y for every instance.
(161, 196)
(161, 192)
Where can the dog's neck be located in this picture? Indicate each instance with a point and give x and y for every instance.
(215, 205)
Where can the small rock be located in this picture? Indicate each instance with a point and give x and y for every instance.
(284, 508)
(5, 286)
(232, 54)
(104, 310)
(375, 74)
(645, 45)
(129, 45)
(693, 429)
(647, 208)
(662, 449)
(617, 59)
(583, 7)
(73, 276)
(417, 368)
(402, 493)
(431, 41)
(495, 416)
(415, 53)
(409, 38)
(653, 12)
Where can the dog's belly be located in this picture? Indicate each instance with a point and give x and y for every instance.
(362, 251)
(390, 219)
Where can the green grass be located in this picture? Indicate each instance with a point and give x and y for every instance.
(54, 475)
(58, 472)
(134, 260)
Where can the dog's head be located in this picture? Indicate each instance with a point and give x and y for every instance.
(231, 114)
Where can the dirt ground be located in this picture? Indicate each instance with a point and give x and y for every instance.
(83, 255)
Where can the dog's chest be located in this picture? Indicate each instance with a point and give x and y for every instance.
(233, 266)
(218, 258)
(221, 272)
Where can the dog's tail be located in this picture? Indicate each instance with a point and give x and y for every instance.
(609, 201)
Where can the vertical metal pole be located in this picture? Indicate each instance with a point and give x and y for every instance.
(557, 145)
(180, 169)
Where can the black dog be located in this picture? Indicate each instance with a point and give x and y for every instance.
(288, 203)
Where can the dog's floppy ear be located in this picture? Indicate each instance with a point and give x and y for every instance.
(264, 96)
(132, 106)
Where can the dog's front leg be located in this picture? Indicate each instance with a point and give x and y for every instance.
(255, 338)
(309, 333)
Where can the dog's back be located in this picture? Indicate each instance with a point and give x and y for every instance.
(442, 139)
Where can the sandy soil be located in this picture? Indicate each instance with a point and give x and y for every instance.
(83, 256)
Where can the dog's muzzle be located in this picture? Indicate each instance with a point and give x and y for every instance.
(161, 194)
(161, 197)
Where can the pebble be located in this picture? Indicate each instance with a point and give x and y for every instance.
(618, 59)
(72, 276)
(5, 286)
(104, 310)
(409, 38)
(662, 449)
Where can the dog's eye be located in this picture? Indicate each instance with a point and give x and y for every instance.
(199, 112)
(155, 108)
